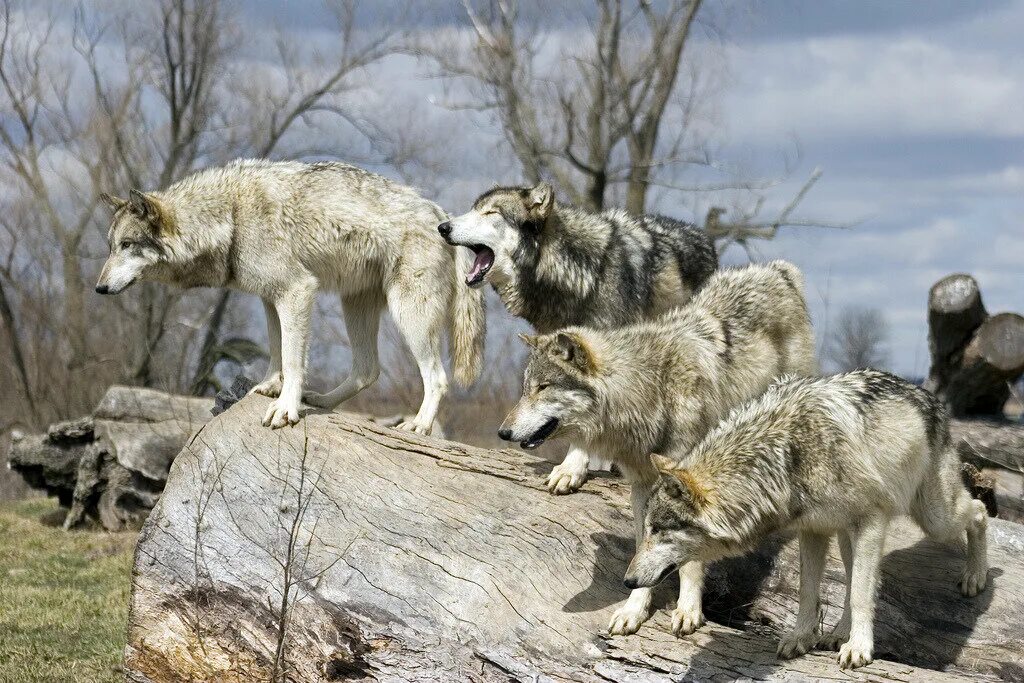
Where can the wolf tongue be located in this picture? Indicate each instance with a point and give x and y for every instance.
(482, 261)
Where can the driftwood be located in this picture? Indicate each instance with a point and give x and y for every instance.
(111, 466)
(974, 356)
(343, 550)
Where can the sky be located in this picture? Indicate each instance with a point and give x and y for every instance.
(914, 112)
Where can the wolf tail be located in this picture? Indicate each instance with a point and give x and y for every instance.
(468, 323)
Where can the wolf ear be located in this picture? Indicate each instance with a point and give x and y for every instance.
(113, 202)
(682, 483)
(150, 209)
(662, 464)
(540, 200)
(532, 342)
(571, 349)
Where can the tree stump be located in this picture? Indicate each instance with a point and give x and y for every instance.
(974, 356)
(343, 550)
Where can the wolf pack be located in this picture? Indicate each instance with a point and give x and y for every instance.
(700, 384)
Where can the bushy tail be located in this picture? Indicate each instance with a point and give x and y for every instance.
(468, 323)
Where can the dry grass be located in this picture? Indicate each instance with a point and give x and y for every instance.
(63, 598)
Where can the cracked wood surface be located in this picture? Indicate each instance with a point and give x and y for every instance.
(389, 556)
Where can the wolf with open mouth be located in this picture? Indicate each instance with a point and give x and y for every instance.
(556, 265)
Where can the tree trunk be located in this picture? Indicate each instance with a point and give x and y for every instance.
(974, 356)
(342, 550)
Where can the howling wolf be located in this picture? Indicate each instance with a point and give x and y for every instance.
(661, 385)
(834, 455)
(283, 231)
(556, 265)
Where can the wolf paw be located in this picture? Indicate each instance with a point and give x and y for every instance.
(854, 654)
(794, 644)
(563, 480)
(280, 413)
(626, 620)
(271, 386)
(412, 426)
(833, 641)
(686, 621)
(973, 582)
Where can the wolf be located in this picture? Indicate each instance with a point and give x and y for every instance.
(556, 265)
(822, 456)
(283, 231)
(661, 385)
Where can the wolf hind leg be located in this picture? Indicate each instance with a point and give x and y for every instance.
(841, 633)
(362, 323)
(271, 384)
(421, 318)
(945, 510)
(569, 476)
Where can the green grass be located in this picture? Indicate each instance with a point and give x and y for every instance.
(63, 598)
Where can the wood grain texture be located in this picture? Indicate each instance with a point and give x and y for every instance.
(392, 557)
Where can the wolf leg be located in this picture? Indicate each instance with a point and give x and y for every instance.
(813, 550)
(944, 510)
(271, 384)
(868, 546)
(841, 633)
(628, 618)
(688, 615)
(571, 473)
(362, 322)
(421, 320)
(294, 308)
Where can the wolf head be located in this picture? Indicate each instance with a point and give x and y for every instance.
(137, 237)
(673, 531)
(559, 398)
(496, 225)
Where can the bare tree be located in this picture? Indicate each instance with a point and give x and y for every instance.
(859, 340)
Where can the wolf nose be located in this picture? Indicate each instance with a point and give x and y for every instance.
(445, 228)
(505, 434)
(102, 289)
(630, 583)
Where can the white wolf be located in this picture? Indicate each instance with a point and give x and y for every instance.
(282, 231)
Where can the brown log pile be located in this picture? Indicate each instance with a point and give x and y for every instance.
(343, 550)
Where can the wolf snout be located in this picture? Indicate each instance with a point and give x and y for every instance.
(102, 289)
(505, 434)
(445, 229)
(631, 583)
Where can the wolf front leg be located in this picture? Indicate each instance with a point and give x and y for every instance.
(294, 308)
(569, 476)
(688, 615)
(868, 544)
(271, 384)
(628, 618)
(813, 550)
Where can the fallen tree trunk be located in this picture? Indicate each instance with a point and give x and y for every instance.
(342, 550)
(974, 357)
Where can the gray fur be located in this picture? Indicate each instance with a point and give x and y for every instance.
(822, 456)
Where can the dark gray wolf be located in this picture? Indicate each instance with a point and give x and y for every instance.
(833, 455)
(283, 231)
(555, 265)
(659, 386)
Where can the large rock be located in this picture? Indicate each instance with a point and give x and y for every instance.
(342, 550)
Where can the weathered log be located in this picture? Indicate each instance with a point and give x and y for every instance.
(955, 311)
(974, 357)
(111, 466)
(343, 550)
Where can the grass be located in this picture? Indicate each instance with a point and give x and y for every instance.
(63, 598)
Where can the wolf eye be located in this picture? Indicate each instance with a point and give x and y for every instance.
(126, 244)
(542, 387)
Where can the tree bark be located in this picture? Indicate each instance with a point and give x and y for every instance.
(343, 550)
(955, 311)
